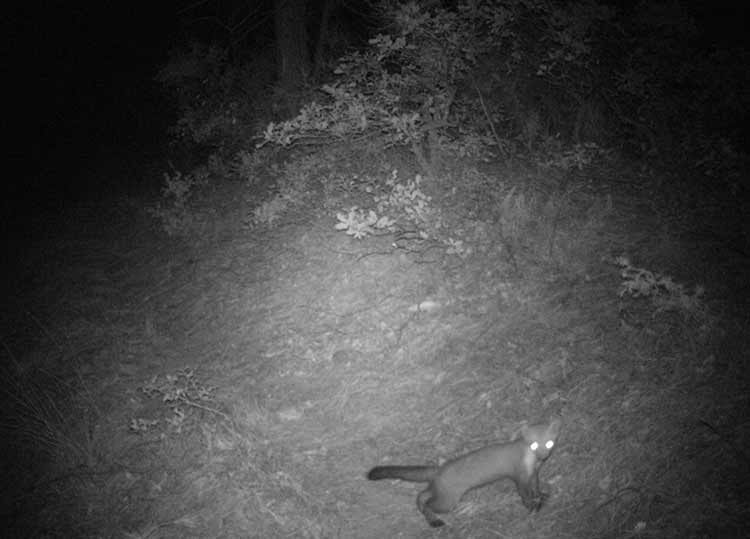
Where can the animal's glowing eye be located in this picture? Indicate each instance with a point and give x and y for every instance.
(549, 444)
(534, 446)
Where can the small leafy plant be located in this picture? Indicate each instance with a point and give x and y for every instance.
(178, 392)
(665, 294)
(402, 205)
(360, 223)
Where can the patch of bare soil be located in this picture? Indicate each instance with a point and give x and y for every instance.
(242, 383)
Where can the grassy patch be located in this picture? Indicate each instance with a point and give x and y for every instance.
(243, 387)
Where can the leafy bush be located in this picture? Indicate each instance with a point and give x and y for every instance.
(402, 206)
(395, 92)
(416, 85)
(405, 201)
(476, 79)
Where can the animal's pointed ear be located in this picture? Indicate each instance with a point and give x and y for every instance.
(554, 426)
(525, 431)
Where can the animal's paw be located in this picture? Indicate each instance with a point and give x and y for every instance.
(535, 502)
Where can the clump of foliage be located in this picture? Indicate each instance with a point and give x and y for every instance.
(665, 294)
(536, 80)
(415, 86)
(479, 78)
(179, 392)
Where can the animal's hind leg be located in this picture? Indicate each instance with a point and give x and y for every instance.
(423, 503)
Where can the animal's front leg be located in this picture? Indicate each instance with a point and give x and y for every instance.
(531, 495)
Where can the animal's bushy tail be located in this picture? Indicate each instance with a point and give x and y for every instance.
(415, 474)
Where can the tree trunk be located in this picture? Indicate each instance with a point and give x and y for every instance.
(292, 58)
(322, 37)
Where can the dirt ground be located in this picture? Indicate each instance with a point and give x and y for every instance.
(241, 382)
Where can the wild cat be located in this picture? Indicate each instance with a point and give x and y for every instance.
(518, 460)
